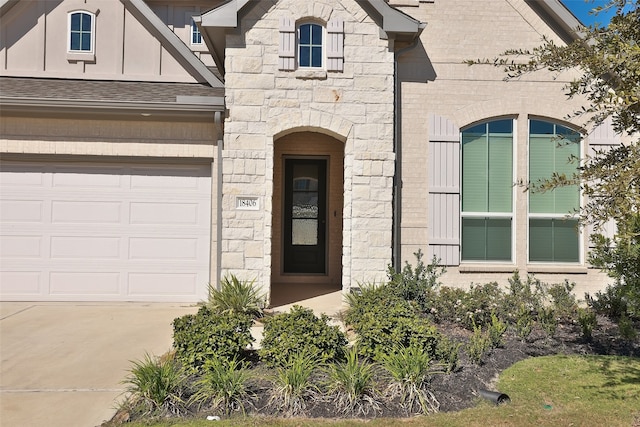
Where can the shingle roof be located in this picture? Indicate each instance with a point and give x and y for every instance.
(102, 90)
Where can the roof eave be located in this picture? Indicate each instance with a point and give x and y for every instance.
(565, 22)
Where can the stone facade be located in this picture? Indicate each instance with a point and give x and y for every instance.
(354, 106)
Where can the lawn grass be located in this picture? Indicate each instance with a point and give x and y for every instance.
(544, 391)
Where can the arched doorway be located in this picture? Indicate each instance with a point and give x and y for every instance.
(308, 176)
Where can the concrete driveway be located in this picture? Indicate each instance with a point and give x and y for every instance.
(61, 364)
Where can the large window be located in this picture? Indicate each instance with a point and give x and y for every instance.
(310, 40)
(487, 191)
(553, 233)
(81, 32)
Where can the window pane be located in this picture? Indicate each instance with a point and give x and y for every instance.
(86, 42)
(501, 126)
(474, 173)
(486, 239)
(75, 22)
(305, 34)
(316, 59)
(85, 22)
(305, 56)
(316, 34)
(304, 231)
(549, 153)
(500, 173)
(75, 41)
(553, 240)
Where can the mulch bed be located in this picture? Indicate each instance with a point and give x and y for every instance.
(458, 390)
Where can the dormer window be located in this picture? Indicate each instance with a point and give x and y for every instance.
(310, 45)
(81, 32)
(196, 36)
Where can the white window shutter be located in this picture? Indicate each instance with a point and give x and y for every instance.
(287, 51)
(335, 45)
(444, 191)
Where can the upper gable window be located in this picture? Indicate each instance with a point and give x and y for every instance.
(310, 45)
(81, 32)
(196, 36)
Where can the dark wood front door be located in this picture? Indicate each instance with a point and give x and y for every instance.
(305, 216)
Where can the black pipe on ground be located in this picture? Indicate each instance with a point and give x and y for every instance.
(494, 396)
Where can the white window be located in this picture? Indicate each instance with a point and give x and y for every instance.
(196, 36)
(553, 231)
(487, 192)
(81, 32)
(311, 45)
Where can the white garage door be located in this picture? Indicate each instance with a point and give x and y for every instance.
(104, 232)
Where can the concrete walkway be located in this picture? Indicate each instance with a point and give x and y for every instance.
(62, 364)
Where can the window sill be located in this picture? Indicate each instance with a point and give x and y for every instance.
(307, 74)
(557, 268)
(487, 268)
(81, 57)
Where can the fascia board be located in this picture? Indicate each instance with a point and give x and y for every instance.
(189, 104)
(225, 15)
(172, 42)
(561, 16)
(5, 5)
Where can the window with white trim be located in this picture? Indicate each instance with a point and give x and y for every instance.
(196, 36)
(311, 45)
(553, 227)
(81, 32)
(487, 192)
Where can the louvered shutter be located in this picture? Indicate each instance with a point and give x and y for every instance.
(444, 191)
(335, 45)
(287, 51)
(603, 138)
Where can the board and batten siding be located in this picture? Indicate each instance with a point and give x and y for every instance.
(444, 191)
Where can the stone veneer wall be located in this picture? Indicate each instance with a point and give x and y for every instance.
(354, 106)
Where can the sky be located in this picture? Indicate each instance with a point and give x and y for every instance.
(581, 8)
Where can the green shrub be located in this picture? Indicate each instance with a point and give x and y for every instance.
(496, 331)
(156, 386)
(410, 369)
(563, 300)
(479, 345)
(300, 331)
(627, 329)
(548, 320)
(611, 303)
(448, 353)
(588, 322)
(293, 386)
(524, 322)
(236, 297)
(366, 299)
(397, 325)
(351, 385)
(522, 295)
(416, 284)
(450, 305)
(208, 335)
(223, 385)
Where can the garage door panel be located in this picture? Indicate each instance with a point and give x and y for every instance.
(21, 283)
(92, 212)
(84, 283)
(20, 246)
(168, 248)
(96, 247)
(21, 210)
(83, 231)
(164, 213)
(144, 284)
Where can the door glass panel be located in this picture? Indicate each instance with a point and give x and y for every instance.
(304, 209)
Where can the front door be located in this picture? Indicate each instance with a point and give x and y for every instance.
(305, 206)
